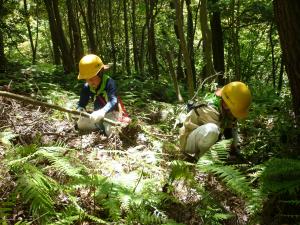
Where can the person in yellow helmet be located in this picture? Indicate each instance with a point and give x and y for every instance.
(102, 90)
(218, 114)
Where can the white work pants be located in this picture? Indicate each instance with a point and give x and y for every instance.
(202, 138)
(87, 125)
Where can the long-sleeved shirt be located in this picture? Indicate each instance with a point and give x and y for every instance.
(100, 102)
(210, 113)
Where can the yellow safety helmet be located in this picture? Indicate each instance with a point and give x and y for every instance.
(89, 66)
(237, 97)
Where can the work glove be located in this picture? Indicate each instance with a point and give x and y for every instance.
(97, 116)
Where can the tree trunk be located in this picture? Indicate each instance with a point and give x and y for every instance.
(75, 34)
(86, 13)
(127, 52)
(169, 59)
(3, 60)
(134, 38)
(90, 16)
(150, 21)
(217, 43)
(272, 45)
(190, 38)
(112, 36)
(235, 23)
(207, 40)
(179, 69)
(287, 18)
(142, 51)
(53, 32)
(58, 36)
(183, 46)
(27, 22)
(280, 79)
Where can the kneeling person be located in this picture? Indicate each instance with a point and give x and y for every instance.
(205, 122)
(102, 89)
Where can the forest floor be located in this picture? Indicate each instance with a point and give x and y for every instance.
(139, 151)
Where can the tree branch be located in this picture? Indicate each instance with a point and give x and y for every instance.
(51, 106)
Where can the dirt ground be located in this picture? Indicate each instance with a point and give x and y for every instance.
(122, 156)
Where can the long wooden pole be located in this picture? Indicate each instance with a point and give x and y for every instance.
(51, 106)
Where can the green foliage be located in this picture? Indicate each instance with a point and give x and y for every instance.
(180, 170)
(235, 180)
(281, 176)
(37, 190)
(6, 137)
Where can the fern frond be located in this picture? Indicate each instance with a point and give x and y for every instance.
(6, 137)
(291, 202)
(281, 176)
(236, 182)
(66, 220)
(219, 151)
(180, 169)
(59, 162)
(95, 219)
(113, 205)
(23, 223)
(231, 176)
(36, 189)
(143, 216)
(6, 208)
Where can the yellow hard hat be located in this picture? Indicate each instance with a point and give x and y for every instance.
(89, 66)
(237, 97)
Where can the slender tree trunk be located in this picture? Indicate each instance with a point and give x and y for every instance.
(150, 21)
(272, 57)
(217, 43)
(53, 32)
(86, 13)
(112, 36)
(190, 38)
(142, 51)
(3, 60)
(179, 69)
(58, 36)
(127, 52)
(36, 29)
(74, 34)
(63, 44)
(183, 46)
(207, 40)
(27, 22)
(287, 18)
(235, 23)
(90, 16)
(134, 38)
(172, 72)
(280, 79)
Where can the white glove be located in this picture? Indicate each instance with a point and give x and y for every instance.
(97, 116)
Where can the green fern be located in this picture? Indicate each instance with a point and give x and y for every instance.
(59, 162)
(180, 169)
(141, 215)
(281, 176)
(37, 190)
(6, 137)
(236, 181)
(219, 151)
(66, 221)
